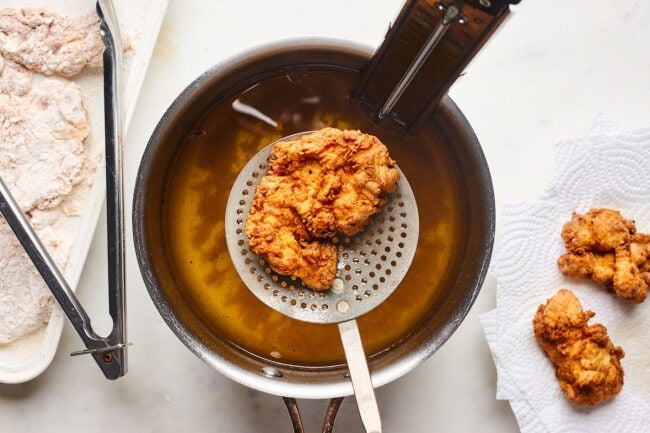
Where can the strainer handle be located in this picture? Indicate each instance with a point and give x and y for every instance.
(360, 375)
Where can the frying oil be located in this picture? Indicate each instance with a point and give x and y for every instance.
(216, 150)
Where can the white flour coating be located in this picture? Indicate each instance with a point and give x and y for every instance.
(25, 301)
(43, 157)
(73, 203)
(42, 143)
(14, 78)
(49, 43)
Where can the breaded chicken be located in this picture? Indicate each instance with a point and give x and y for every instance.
(604, 246)
(599, 230)
(341, 178)
(598, 267)
(640, 250)
(587, 363)
(276, 231)
(48, 43)
(632, 269)
(324, 183)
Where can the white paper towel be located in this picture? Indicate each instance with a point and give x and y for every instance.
(606, 168)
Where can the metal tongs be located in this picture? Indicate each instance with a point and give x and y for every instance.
(109, 352)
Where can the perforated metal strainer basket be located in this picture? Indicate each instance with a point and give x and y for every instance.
(370, 266)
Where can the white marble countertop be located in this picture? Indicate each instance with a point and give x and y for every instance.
(542, 78)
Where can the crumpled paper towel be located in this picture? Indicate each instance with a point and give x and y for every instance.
(608, 167)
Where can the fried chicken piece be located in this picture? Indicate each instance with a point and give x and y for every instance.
(632, 270)
(640, 251)
(276, 231)
(599, 230)
(587, 363)
(324, 183)
(341, 177)
(598, 267)
(604, 246)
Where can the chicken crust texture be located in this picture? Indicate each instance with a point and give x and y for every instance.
(587, 364)
(324, 183)
(598, 230)
(604, 246)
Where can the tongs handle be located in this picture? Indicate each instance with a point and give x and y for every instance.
(109, 352)
(113, 132)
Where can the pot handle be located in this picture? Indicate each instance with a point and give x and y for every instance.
(296, 419)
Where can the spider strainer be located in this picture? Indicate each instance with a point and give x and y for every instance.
(370, 266)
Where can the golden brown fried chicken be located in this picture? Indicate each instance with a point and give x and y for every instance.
(587, 363)
(632, 270)
(603, 246)
(598, 267)
(599, 230)
(340, 178)
(324, 183)
(276, 231)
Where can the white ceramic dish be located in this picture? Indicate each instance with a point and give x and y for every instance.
(140, 22)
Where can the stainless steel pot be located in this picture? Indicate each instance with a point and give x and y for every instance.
(446, 129)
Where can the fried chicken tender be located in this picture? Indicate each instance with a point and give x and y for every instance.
(341, 178)
(632, 270)
(276, 231)
(599, 267)
(599, 230)
(587, 362)
(604, 246)
(324, 183)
